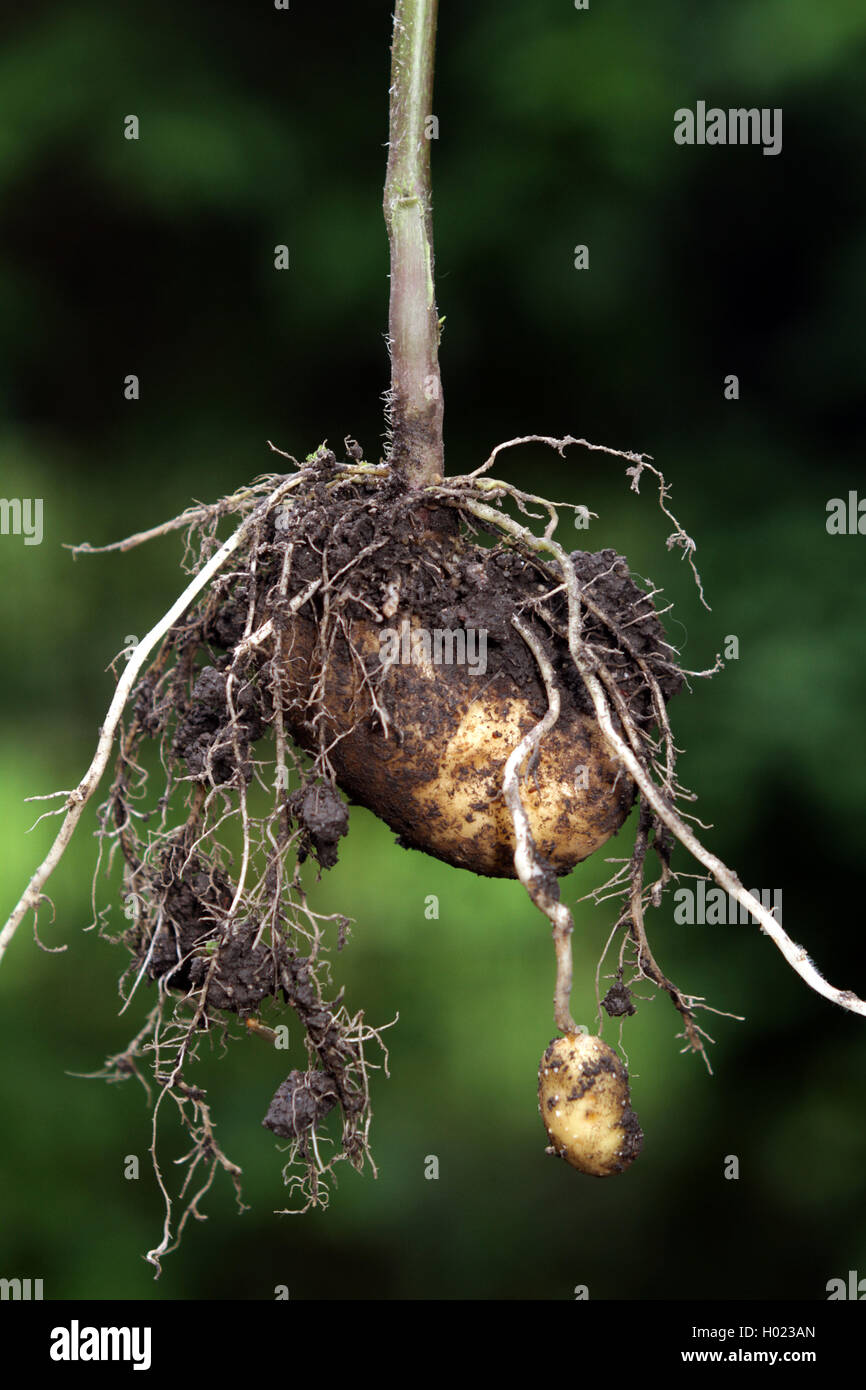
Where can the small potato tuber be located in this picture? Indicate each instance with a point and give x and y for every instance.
(584, 1099)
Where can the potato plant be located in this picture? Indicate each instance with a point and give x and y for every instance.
(319, 654)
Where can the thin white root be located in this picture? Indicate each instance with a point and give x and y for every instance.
(560, 445)
(266, 630)
(538, 878)
(79, 797)
(177, 523)
(796, 956)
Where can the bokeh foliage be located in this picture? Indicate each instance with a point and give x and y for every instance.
(156, 257)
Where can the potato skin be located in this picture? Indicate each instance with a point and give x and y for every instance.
(583, 1095)
(437, 779)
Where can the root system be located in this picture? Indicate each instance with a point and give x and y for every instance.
(279, 683)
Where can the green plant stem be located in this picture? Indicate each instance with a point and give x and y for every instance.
(415, 398)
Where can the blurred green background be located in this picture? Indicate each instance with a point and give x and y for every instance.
(155, 257)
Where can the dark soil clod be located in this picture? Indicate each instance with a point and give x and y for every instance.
(324, 818)
(618, 1002)
(206, 738)
(299, 1103)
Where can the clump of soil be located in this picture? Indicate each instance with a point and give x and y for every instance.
(209, 739)
(300, 1102)
(618, 1002)
(324, 820)
(196, 945)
